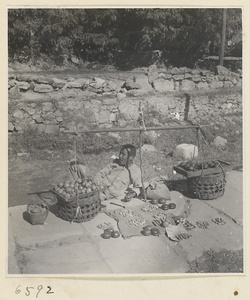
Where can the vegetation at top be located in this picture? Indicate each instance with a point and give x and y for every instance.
(182, 35)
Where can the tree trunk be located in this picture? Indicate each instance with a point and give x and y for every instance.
(223, 36)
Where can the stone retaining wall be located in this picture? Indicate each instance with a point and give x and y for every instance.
(53, 105)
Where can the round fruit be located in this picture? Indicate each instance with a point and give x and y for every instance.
(108, 230)
(66, 185)
(88, 184)
(146, 232)
(89, 190)
(147, 227)
(165, 207)
(154, 201)
(155, 231)
(172, 205)
(162, 201)
(165, 224)
(106, 235)
(115, 234)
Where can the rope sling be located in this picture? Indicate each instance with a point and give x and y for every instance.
(143, 128)
(209, 186)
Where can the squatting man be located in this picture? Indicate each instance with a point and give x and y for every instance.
(120, 179)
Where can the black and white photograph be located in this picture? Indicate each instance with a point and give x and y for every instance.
(125, 141)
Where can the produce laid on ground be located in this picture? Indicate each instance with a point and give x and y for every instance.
(110, 233)
(148, 230)
(69, 189)
(202, 224)
(219, 221)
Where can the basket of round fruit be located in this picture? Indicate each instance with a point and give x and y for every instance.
(207, 187)
(193, 169)
(206, 180)
(78, 201)
(38, 211)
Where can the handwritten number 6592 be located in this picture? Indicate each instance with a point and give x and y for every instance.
(39, 288)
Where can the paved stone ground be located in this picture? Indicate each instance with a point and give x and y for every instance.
(60, 247)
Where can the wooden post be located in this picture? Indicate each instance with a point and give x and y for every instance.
(223, 36)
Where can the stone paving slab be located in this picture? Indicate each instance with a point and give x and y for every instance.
(231, 202)
(142, 255)
(228, 236)
(27, 235)
(81, 258)
(59, 247)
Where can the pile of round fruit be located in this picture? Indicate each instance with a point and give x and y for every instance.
(70, 189)
(37, 208)
(164, 205)
(110, 232)
(149, 230)
(193, 166)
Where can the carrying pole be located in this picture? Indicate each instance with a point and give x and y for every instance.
(137, 129)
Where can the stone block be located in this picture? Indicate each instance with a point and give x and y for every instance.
(227, 84)
(11, 127)
(97, 83)
(18, 114)
(103, 117)
(31, 111)
(51, 129)
(44, 80)
(175, 71)
(130, 85)
(43, 88)
(23, 85)
(129, 110)
(47, 106)
(185, 151)
(220, 142)
(58, 83)
(14, 92)
(152, 73)
(215, 84)
(195, 72)
(187, 85)
(196, 78)
(188, 76)
(177, 85)
(135, 93)
(178, 77)
(80, 83)
(162, 85)
(11, 83)
(120, 96)
(202, 85)
(38, 119)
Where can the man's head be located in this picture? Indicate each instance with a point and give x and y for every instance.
(127, 155)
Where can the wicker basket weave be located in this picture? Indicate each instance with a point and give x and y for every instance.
(89, 206)
(38, 217)
(207, 187)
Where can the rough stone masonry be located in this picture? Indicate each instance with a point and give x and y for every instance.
(52, 105)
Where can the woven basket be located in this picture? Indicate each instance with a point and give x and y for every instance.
(207, 187)
(89, 206)
(39, 216)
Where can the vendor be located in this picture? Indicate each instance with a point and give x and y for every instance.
(121, 179)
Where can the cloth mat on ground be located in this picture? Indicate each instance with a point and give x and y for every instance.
(128, 218)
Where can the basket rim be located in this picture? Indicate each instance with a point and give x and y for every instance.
(81, 196)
